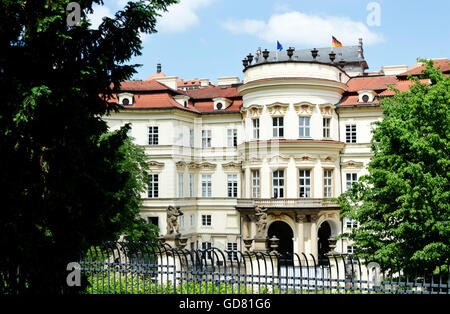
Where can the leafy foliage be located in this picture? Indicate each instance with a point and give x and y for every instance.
(403, 205)
(65, 185)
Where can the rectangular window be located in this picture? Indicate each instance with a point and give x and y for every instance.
(350, 179)
(180, 136)
(232, 251)
(206, 185)
(206, 220)
(351, 249)
(206, 138)
(232, 137)
(181, 222)
(191, 185)
(327, 183)
(305, 183)
(278, 184)
(232, 184)
(351, 223)
(180, 185)
(255, 128)
(192, 220)
(304, 126)
(153, 135)
(191, 137)
(153, 220)
(152, 185)
(256, 190)
(350, 133)
(206, 246)
(278, 126)
(326, 127)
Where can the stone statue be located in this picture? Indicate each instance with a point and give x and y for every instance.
(261, 222)
(172, 220)
(258, 55)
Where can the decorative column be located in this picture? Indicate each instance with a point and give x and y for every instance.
(314, 249)
(299, 219)
(252, 231)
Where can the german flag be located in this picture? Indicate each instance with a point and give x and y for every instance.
(336, 43)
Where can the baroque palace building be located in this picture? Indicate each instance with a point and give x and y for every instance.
(293, 134)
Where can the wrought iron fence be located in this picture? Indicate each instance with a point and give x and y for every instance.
(142, 268)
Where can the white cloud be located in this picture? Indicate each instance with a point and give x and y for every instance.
(181, 16)
(97, 16)
(309, 30)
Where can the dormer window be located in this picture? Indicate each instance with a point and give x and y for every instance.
(366, 96)
(182, 100)
(125, 99)
(221, 103)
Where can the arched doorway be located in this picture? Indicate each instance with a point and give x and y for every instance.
(323, 244)
(284, 232)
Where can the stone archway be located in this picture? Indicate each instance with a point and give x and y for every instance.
(284, 232)
(323, 240)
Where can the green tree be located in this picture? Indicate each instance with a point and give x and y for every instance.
(402, 205)
(65, 185)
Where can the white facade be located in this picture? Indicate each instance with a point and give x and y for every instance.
(302, 150)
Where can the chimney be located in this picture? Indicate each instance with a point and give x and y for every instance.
(171, 82)
(204, 82)
(221, 81)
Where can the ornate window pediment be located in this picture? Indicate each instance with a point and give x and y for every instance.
(279, 159)
(326, 110)
(277, 109)
(231, 166)
(330, 159)
(352, 164)
(304, 109)
(305, 158)
(180, 164)
(155, 165)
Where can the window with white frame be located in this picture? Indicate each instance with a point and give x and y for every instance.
(192, 220)
(255, 123)
(206, 185)
(351, 249)
(206, 220)
(256, 189)
(278, 184)
(191, 185)
(232, 137)
(206, 138)
(350, 179)
(181, 221)
(180, 185)
(304, 126)
(191, 137)
(350, 133)
(278, 126)
(206, 246)
(351, 223)
(232, 184)
(180, 136)
(232, 251)
(305, 183)
(152, 185)
(326, 127)
(327, 183)
(153, 135)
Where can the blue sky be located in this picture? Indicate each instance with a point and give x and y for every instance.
(209, 38)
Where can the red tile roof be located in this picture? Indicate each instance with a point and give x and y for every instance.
(158, 101)
(150, 85)
(208, 107)
(213, 92)
(418, 68)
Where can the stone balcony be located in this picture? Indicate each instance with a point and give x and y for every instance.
(287, 203)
